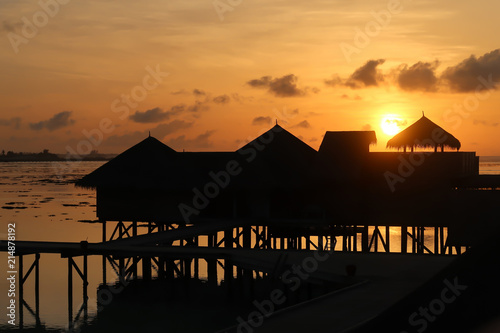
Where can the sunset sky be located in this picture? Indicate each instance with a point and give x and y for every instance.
(210, 75)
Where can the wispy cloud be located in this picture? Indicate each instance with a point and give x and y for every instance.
(367, 75)
(12, 122)
(302, 124)
(199, 142)
(59, 120)
(285, 86)
(262, 121)
(222, 99)
(157, 114)
(485, 123)
(199, 92)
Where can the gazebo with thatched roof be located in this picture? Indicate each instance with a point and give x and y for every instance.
(425, 134)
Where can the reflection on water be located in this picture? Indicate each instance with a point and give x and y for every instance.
(46, 206)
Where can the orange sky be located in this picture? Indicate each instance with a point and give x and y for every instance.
(236, 66)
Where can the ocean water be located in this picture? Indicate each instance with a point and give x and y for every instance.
(42, 202)
(489, 165)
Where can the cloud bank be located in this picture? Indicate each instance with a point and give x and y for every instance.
(466, 76)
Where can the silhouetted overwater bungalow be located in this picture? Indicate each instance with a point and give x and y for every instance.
(278, 179)
(425, 134)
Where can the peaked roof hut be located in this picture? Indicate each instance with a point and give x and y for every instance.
(276, 157)
(135, 167)
(425, 134)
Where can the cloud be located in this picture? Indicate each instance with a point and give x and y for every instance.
(198, 106)
(263, 82)
(334, 81)
(285, 86)
(10, 27)
(201, 141)
(159, 132)
(367, 127)
(485, 123)
(222, 99)
(420, 76)
(198, 92)
(156, 115)
(464, 77)
(12, 122)
(59, 120)
(262, 121)
(469, 75)
(356, 97)
(241, 99)
(302, 124)
(180, 92)
(398, 122)
(366, 75)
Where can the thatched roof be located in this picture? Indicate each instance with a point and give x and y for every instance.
(277, 155)
(136, 165)
(425, 134)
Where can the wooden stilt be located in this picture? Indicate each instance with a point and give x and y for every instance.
(355, 238)
(135, 259)
(228, 265)
(146, 269)
(436, 240)
(212, 263)
(404, 239)
(196, 261)
(85, 287)
(37, 288)
(387, 239)
(413, 241)
(441, 241)
(365, 247)
(70, 291)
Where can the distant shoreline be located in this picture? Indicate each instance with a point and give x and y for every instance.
(57, 158)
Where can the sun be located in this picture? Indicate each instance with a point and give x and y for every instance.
(392, 125)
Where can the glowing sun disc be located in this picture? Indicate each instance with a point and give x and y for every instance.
(392, 125)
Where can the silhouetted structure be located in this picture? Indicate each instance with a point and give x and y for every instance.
(281, 184)
(426, 134)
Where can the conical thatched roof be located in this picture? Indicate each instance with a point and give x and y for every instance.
(277, 155)
(136, 165)
(425, 134)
